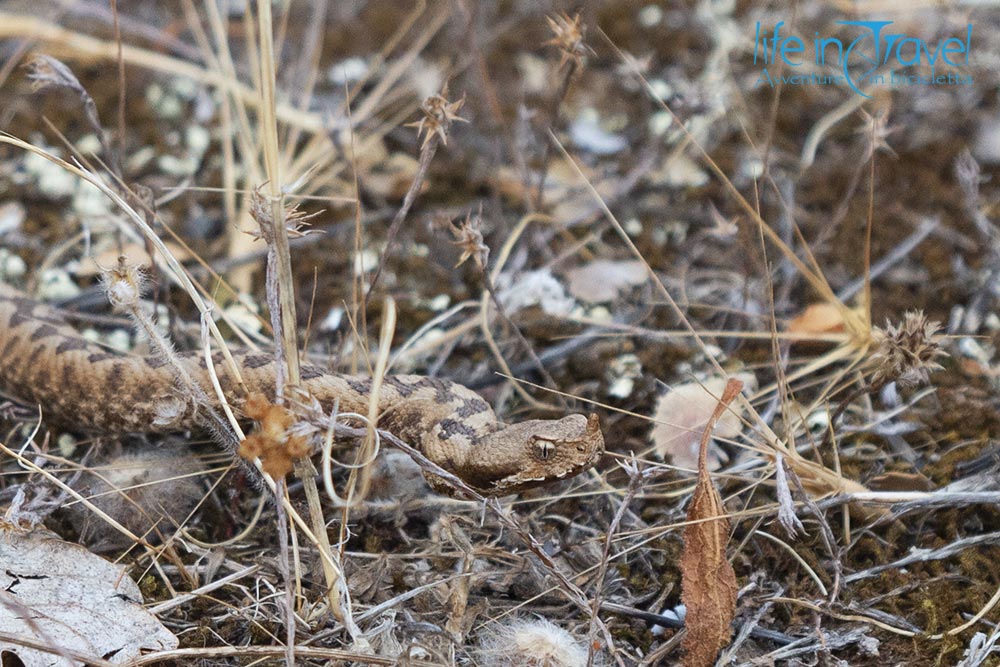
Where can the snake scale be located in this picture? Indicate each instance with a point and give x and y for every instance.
(93, 389)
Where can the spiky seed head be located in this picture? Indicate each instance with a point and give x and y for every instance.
(907, 352)
(568, 35)
(438, 115)
(469, 237)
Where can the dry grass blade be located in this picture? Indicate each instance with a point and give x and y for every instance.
(707, 579)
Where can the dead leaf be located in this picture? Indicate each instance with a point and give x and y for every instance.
(60, 594)
(818, 318)
(601, 281)
(681, 415)
(708, 582)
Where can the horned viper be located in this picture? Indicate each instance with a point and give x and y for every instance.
(90, 388)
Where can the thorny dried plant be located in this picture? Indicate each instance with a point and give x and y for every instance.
(905, 353)
(469, 238)
(568, 33)
(296, 221)
(124, 284)
(568, 39)
(438, 116)
(876, 129)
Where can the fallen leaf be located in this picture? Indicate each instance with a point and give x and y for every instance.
(12, 216)
(708, 582)
(61, 595)
(601, 281)
(681, 415)
(818, 318)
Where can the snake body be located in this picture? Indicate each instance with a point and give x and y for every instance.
(90, 388)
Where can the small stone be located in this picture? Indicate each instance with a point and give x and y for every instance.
(332, 320)
(56, 285)
(622, 373)
(650, 15)
(245, 315)
(12, 267)
(348, 71)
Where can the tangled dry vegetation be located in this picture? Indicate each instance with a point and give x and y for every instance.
(602, 211)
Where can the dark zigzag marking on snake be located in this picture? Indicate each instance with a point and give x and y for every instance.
(71, 345)
(453, 427)
(44, 331)
(311, 372)
(471, 406)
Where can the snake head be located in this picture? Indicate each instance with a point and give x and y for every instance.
(531, 453)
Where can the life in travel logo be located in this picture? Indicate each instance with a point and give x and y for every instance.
(870, 55)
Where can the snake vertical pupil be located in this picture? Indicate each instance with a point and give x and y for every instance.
(544, 448)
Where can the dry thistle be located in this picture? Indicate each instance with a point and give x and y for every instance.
(906, 353)
(439, 114)
(568, 37)
(469, 237)
(124, 285)
(532, 643)
(272, 442)
(876, 128)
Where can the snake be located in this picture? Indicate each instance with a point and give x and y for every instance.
(88, 388)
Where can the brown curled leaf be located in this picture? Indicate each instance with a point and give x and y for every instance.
(708, 583)
(272, 442)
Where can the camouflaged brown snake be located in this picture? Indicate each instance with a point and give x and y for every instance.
(93, 389)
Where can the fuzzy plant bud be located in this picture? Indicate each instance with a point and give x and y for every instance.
(532, 643)
(123, 285)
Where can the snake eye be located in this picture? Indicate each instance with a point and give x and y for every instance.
(544, 447)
